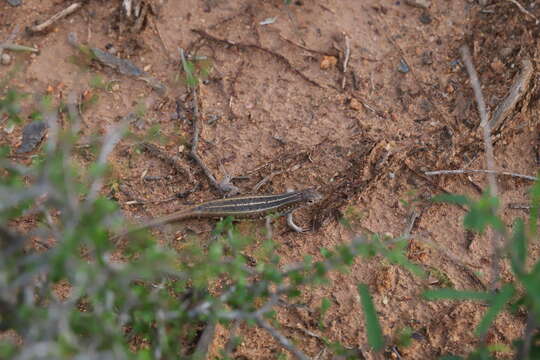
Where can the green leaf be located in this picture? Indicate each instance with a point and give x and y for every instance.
(518, 247)
(10, 105)
(325, 305)
(502, 348)
(535, 203)
(452, 199)
(404, 337)
(452, 294)
(482, 214)
(531, 283)
(497, 305)
(144, 354)
(374, 332)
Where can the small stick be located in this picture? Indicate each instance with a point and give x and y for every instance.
(162, 42)
(16, 47)
(172, 161)
(140, 20)
(410, 223)
(319, 52)
(127, 7)
(371, 108)
(195, 143)
(229, 347)
(59, 15)
(243, 46)
(523, 10)
(9, 39)
(268, 225)
(475, 83)
(206, 339)
(293, 22)
(490, 160)
(286, 343)
(346, 59)
(181, 195)
(196, 129)
(265, 180)
(455, 259)
(518, 89)
(480, 171)
(519, 206)
(225, 186)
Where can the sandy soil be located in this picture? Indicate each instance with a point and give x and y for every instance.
(275, 103)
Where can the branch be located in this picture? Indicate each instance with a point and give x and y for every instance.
(285, 343)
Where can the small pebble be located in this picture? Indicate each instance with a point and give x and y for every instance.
(14, 2)
(9, 128)
(6, 59)
(328, 62)
(213, 118)
(454, 64)
(355, 104)
(423, 4)
(497, 66)
(507, 51)
(425, 19)
(403, 67)
(111, 49)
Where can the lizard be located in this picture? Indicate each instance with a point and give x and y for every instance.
(241, 207)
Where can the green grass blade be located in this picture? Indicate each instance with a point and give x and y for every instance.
(374, 332)
(497, 305)
(452, 199)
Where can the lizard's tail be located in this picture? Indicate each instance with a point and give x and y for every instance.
(167, 219)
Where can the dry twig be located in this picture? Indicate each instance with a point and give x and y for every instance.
(519, 206)
(243, 46)
(490, 159)
(525, 11)
(224, 186)
(286, 343)
(265, 180)
(319, 52)
(346, 59)
(518, 89)
(480, 171)
(59, 15)
(475, 83)
(172, 161)
(206, 339)
(9, 39)
(195, 142)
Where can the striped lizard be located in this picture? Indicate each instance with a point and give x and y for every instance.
(241, 207)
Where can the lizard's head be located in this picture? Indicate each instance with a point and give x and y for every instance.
(311, 196)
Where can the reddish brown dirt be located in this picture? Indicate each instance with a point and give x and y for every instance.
(378, 134)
